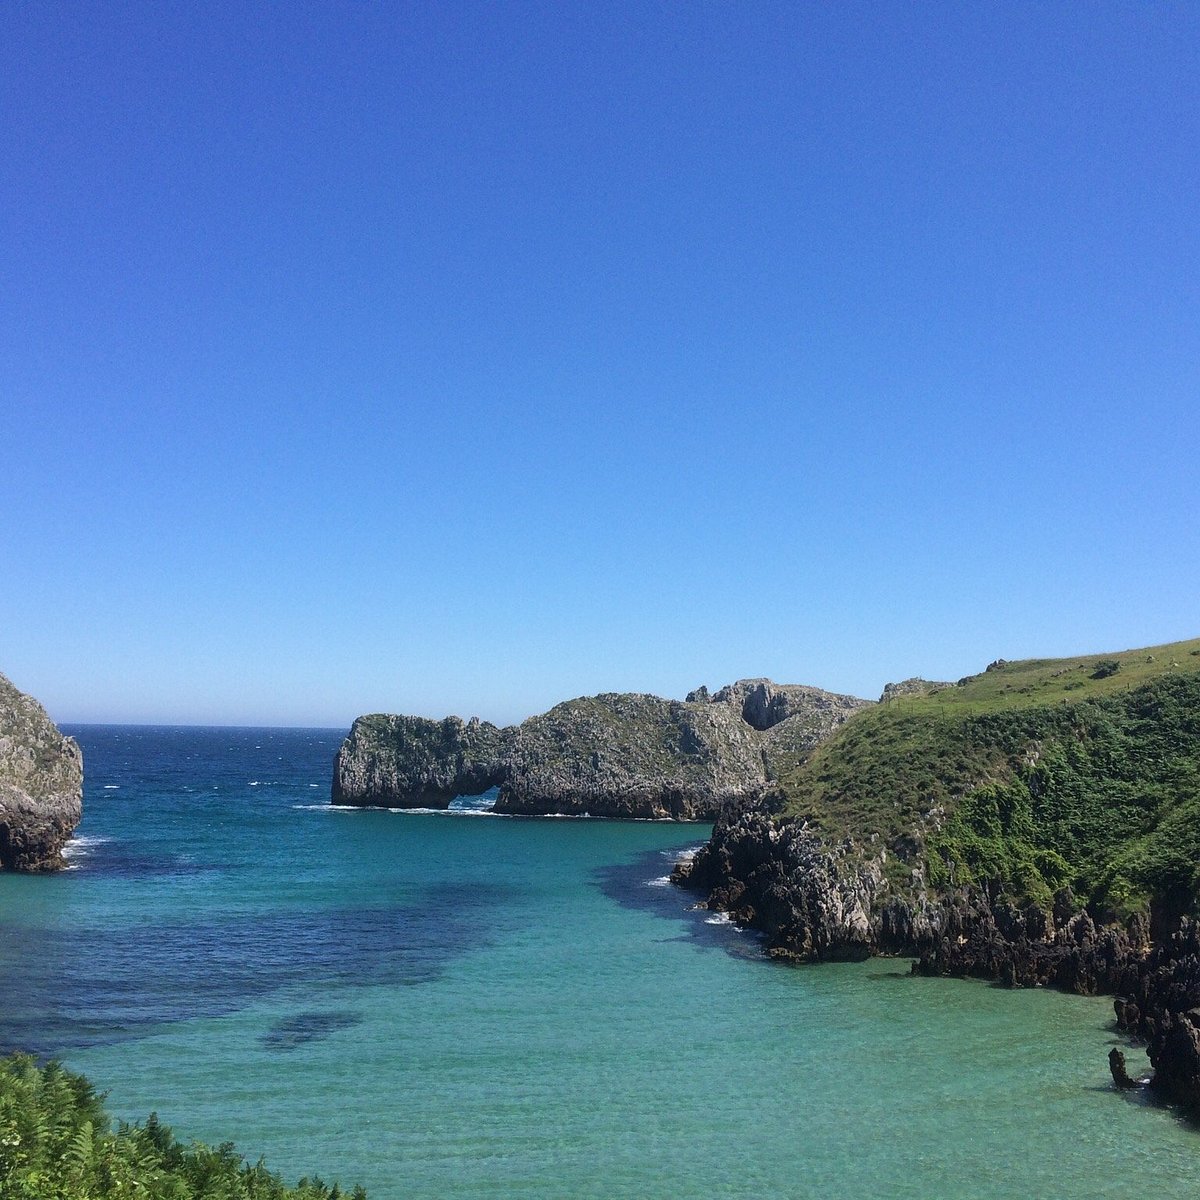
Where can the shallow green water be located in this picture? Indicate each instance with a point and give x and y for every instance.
(438, 1005)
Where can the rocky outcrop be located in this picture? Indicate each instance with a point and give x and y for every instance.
(763, 705)
(815, 903)
(41, 785)
(939, 830)
(612, 755)
(622, 755)
(411, 762)
(1159, 1004)
(911, 687)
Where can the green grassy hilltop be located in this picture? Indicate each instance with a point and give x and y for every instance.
(1030, 776)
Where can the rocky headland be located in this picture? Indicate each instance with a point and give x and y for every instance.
(1037, 824)
(613, 755)
(41, 785)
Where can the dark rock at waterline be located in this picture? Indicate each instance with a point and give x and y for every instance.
(612, 755)
(41, 785)
(808, 899)
(1120, 1073)
(1160, 1005)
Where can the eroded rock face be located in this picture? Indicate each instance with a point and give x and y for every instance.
(41, 785)
(763, 705)
(411, 762)
(813, 902)
(631, 755)
(1159, 1004)
(612, 755)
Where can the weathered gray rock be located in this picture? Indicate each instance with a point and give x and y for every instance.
(814, 902)
(41, 785)
(912, 687)
(622, 755)
(412, 762)
(612, 755)
(763, 705)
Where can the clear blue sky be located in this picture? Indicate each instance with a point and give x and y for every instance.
(467, 357)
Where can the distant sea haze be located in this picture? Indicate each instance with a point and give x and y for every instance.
(482, 1006)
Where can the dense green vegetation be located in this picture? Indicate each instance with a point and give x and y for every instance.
(56, 1143)
(1031, 776)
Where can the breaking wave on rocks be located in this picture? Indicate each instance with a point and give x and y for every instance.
(81, 846)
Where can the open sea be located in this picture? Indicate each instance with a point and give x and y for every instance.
(466, 1005)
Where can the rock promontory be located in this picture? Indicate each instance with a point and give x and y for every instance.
(1035, 824)
(611, 755)
(41, 785)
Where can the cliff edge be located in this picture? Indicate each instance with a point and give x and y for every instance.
(41, 785)
(1036, 823)
(611, 755)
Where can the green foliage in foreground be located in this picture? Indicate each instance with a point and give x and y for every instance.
(56, 1143)
(1031, 776)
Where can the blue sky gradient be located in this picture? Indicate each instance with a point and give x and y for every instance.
(468, 357)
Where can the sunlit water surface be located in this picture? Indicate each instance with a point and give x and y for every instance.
(468, 1005)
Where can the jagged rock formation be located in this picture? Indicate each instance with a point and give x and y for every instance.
(811, 901)
(1159, 1004)
(612, 755)
(41, 785)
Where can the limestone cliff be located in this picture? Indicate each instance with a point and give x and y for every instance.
(41, 785)
(620, 755)
(412, 762)
(612, 755)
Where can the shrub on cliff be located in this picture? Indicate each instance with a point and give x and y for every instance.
(56, 1143)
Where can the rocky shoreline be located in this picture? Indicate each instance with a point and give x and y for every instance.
(41, 785)
(816, 903)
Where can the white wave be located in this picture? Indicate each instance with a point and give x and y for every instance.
(661, 881)
(419, 812)
(112, 787)
(82, 844)
(719, 919)
(448, 812)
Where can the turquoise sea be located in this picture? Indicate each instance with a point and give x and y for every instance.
(460, 1004)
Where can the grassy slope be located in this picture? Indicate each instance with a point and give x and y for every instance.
(1033, 774)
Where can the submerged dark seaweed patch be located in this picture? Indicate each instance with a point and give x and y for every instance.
(78, 987)
(303, 1027)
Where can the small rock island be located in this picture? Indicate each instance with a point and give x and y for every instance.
(41, 785)
(612, 755)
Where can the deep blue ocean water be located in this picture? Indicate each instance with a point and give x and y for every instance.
(468, 1005)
